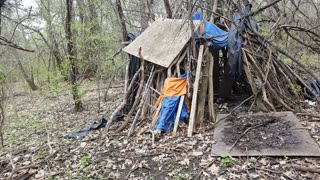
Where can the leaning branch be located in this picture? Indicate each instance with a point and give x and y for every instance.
(284, 52)
(5, 42)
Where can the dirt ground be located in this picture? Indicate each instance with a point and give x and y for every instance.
(36, 147)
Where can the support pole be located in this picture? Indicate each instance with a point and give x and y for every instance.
(195, 92)
(176, 122)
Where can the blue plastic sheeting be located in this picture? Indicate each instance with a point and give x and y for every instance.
(168, 113)
(218, 38)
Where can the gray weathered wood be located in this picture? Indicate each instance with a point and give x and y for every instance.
(162, 41)
(195, 93)
(156, 117)
(176, 121)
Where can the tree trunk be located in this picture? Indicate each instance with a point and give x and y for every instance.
(90, 28)
(29, 80)
(0, 18)
(168, 8)
(122, 21)
(72, 58)
(54, 46)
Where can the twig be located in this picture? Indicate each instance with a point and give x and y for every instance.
(262, 8)
(133, 168)
(5, 42)
(307, 169)
(231, 112)
(21, 168)
(282, 51)
(209, 10)
(247, 130)
(244, 101)
(274, 171)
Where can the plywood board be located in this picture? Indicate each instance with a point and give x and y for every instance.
(306, 146)
(162, 41)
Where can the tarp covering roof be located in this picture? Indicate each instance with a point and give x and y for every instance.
(217, 37)
(162, 41)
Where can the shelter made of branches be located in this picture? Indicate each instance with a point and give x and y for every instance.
(168, 49)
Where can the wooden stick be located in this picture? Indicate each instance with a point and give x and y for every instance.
(181, 59)
(136, 75)
(246, 66)
(156, 116)
(203, 91)
(248, 129)
(211, 89)
(299, 78)
(138, 96)
(263, 88)
(145, 94)
(145, 106)
(176, 122)
(188, 68)
(282, 51)
(195, 92)
(253, 86)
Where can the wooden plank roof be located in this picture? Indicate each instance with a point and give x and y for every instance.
(162, 41)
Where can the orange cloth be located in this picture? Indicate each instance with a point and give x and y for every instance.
(173, 87)
(201, 29)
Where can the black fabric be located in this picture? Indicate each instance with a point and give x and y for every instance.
(83, 132)
(235, 42)
(315, 86)
(233, 68)
(134, 65)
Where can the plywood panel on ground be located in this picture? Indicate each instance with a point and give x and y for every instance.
(162, 41)
(306, 146)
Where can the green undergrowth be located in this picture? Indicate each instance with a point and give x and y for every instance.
(18, 130)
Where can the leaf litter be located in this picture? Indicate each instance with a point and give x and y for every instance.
(27, 153)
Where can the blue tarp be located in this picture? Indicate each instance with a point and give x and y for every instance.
(168, 111)
(218, 38)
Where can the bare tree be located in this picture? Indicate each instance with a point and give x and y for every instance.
(72, 58)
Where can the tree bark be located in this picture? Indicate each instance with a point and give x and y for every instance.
(72, 58)
(168, 8)
(122, 21)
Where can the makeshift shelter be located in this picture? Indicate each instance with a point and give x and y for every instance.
(167, 49)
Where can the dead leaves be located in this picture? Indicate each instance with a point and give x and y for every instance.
(214, 169)
(170, 157)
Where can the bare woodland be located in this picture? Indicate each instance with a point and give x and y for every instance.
(62, 67)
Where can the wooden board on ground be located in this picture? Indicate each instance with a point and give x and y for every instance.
(162, 41)
(291, 138)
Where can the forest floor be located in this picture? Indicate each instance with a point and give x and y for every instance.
(36, 147)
